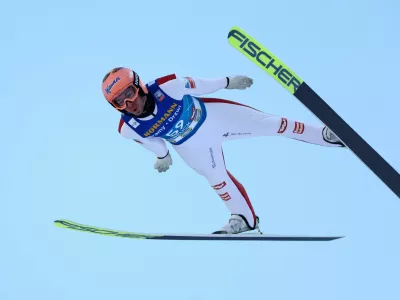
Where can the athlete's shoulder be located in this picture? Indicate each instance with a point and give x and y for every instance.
(126, 125)
(171, 84)
(128, 132)
(164, 79)
(188, 82)
(121, 124)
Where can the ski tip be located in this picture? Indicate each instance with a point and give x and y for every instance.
(57, 222)
(234, 28)
(61, 223)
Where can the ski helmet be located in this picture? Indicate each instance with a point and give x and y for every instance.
(121, 85)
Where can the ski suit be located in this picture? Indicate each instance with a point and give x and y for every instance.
(196, 127)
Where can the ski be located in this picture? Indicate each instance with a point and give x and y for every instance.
(190, 237)
(263, 58)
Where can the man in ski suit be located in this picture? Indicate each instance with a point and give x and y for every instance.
(169, 109)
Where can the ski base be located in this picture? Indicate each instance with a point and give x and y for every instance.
(191, 237)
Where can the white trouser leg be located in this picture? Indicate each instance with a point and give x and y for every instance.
(207, 160)
(238, 121)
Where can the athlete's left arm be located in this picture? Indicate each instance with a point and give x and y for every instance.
(198, 86)
(201, 86)
(177, 86)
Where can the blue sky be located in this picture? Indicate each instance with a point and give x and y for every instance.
(62, 156)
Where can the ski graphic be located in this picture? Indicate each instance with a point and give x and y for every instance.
(263, 58)
(191, 237)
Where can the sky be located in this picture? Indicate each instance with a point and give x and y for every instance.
(62, 156)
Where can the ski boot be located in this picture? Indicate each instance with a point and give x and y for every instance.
(237, 224)
(330, 137)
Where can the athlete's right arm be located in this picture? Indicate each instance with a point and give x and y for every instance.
(154, 144)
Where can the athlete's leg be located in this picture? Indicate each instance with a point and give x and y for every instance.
(206, 158)
(234, 121)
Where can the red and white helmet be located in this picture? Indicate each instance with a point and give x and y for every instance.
(121, 85)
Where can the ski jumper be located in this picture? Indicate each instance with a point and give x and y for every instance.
(196, 127)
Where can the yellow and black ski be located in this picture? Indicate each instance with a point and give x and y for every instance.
(263, 58)
(190, 237)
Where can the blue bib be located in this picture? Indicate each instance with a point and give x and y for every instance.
(174, 120)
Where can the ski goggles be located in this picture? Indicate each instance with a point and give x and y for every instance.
(129, 94)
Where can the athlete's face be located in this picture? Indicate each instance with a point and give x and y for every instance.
(136, 107)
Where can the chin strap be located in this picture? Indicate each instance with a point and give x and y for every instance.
(149, 106)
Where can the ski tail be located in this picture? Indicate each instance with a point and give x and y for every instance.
(273, 66)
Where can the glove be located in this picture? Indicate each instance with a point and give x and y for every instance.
(238, 82)
(162, 164)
